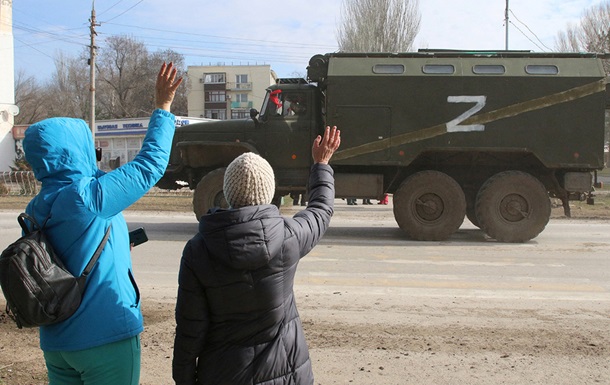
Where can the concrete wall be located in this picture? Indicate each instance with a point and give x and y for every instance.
(7, 86)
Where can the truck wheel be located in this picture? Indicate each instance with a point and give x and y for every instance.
(429, 206)
(513, 206)
(208, 193)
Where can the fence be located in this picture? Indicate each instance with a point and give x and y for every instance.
(18, 183)
(24, 183)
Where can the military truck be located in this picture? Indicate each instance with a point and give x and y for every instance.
(490, 136)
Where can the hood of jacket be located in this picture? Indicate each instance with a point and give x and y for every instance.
(245, 238)
(60, 149)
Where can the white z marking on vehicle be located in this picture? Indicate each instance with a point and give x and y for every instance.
(454, 125)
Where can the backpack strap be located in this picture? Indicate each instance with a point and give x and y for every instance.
(96, 255)
(35, 226)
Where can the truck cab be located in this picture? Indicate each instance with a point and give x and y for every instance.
(283, 133)
(289, 120)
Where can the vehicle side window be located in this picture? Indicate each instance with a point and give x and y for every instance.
(295, 104)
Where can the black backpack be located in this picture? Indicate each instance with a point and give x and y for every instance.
(38, 289)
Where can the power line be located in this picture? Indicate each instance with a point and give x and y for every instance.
(58, 33)
(125, 11)
(53, 37)
(112, 6)
(32, 47)
(527, 37)
(225, 48)
(529, 29)
(208, 47)
(231, 48)
(220, 37)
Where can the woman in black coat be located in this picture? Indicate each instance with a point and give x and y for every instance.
(236, 316)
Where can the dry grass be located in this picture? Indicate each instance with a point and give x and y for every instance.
(183, 204)
(154, 203)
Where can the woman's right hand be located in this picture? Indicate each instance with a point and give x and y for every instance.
(324, 148)
(166, 86)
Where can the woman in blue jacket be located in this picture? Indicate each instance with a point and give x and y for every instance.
(100, 343)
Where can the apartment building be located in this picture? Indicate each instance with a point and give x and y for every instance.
(227, 91)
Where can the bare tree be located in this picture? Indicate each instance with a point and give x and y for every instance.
(30, 97)
(592, 34)
(125, 84)
(378, 25)
(567, 41)
(123, 75)
(69, 88)
(180, 104)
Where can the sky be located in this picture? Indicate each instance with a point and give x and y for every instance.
(282, 34)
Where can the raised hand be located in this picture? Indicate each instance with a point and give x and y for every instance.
(166, 86)
(324, 148)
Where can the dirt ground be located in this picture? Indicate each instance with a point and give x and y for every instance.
(408, 341)
(487, 345)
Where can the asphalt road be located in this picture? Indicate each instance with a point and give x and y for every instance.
(381, 309)
(365, 250)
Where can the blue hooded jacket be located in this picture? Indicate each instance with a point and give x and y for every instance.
(82, 202)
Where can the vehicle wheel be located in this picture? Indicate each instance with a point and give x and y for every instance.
(429, 206)
(208, 193)
(513, 206)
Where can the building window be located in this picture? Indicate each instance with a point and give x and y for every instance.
(239, 114)
(241, 98)
(215, 78)
(216, 114)
(215, 96)
(241, 79)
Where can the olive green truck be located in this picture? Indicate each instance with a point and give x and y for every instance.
(490, 136)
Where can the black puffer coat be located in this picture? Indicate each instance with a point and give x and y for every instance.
(237, 321)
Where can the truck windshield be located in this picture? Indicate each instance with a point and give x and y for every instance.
(263, 113)
(272, 103)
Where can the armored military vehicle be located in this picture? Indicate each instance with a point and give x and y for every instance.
(487, 135)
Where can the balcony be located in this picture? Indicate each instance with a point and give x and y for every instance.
(232, 86)
(236, 105)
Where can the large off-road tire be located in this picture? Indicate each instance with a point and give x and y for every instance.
(208, 193)
(513, 206)
(429, 206)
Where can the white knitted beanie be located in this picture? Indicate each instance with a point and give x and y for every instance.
(249, 181)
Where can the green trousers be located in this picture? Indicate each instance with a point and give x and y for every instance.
(117, 363)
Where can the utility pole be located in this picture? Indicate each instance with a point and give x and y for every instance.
(92, 48)
(506, 24)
